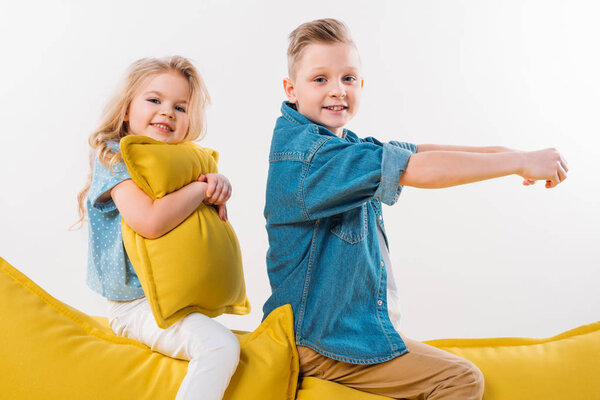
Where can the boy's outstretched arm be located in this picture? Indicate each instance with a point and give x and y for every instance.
(439, 169)
(471, 149)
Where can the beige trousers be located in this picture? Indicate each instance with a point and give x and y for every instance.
(425, 372)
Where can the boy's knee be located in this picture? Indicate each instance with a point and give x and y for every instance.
(472, 377)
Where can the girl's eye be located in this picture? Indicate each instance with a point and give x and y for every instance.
(320, 79)
(349, 79)
(153, 100)
(180, 109)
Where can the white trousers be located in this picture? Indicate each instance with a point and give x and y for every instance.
(212, 350)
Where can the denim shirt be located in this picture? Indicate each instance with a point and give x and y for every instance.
(323, 204)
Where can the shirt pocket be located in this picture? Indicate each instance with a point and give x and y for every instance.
(350, 226)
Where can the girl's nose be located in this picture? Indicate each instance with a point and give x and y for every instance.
(168, 112)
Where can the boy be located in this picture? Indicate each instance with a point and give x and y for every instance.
(328, 254)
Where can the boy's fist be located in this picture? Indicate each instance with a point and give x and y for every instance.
(548, 165)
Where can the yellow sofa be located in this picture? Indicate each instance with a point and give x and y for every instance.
(51, 351)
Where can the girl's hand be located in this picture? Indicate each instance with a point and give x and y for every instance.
(222, 210)
(218, 189)
(548, 165)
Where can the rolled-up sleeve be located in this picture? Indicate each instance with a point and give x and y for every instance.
(343, 175)
(393, 164)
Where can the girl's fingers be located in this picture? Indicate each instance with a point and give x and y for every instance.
(210, 188)
(222, 211)
(225, 194)
(218, 189)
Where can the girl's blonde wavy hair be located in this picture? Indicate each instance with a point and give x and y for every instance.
(113, 127)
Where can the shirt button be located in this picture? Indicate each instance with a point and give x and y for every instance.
(382, 263)
(380, 217)
(379, 302)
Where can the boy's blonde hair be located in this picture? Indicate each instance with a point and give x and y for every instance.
(113, 126)
(326, 30)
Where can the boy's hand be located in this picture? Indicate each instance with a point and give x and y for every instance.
(548, 165)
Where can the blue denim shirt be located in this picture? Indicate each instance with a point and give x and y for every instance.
(323, 204)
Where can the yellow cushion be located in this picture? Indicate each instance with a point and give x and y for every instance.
(566, 366)
(269, 366)
(196, 267)
(51, 351)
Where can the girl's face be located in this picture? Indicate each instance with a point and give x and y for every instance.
(159, 108)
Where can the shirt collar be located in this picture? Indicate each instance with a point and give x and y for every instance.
(289, 110)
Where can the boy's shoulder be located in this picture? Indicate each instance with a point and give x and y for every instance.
(294, 134)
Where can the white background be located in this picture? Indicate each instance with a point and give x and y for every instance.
(488, 259)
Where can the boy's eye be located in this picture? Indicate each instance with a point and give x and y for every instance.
(349, 79)
(320, 79)
(179, 108)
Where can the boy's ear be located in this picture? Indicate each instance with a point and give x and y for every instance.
(362, 83)
(288, 87)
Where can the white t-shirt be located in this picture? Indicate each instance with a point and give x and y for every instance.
(393, 300)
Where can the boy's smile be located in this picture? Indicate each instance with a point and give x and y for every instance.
(327, 84)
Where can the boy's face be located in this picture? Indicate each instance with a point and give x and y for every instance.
(327, 84)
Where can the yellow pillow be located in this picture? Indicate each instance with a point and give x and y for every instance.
(197, 266)
(563, 367)
(51, 351)
(269, 366)
(566, 366)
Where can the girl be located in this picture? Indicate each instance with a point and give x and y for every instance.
(164, 99)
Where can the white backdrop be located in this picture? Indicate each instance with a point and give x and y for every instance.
(487, 259)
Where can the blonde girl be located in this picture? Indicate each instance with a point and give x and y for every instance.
(165, 99)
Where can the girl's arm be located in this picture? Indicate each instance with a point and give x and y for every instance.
(153, 218)
(470, 149)
(440, 169)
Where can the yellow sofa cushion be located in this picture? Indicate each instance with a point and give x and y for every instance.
(197, 266)
(51, 351)
(566, 366)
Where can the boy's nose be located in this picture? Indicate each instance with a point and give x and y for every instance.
(337, 90)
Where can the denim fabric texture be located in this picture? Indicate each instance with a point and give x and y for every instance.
(323, 204)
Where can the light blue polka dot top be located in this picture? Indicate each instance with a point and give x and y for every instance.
(109, 272)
